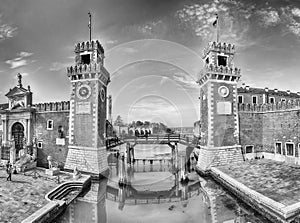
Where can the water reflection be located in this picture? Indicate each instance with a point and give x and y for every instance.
(152, 192)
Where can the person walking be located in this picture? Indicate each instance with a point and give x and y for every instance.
(9, 171)
(7, 166)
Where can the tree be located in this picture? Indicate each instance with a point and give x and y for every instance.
(146, 123)
(119, 121)
(139, 123)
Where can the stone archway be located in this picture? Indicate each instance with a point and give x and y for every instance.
(17, 135)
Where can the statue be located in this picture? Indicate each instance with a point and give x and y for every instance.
(76, 173)
(49, 158)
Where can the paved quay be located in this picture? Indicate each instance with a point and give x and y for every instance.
(276, 180)
(25, 194)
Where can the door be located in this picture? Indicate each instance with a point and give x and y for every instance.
(18, 136)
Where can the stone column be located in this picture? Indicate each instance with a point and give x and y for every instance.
(28, 122)
(4, 131)
(12, 153)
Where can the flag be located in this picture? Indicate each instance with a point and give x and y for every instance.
(216, 21)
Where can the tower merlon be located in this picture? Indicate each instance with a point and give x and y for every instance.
(87, 71)
(211, 71)
(226, 48)
(88, 46)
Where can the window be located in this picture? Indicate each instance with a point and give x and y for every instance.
(289, 149)
(61, 132)
(271, 100)
(85, 59)
(254, 99)
(240, 99)
(40, 144)
(222, 61)
(283, 100)
(5, 153)
(207, 60)
(49, 124)
(249, 149)
(278, 146)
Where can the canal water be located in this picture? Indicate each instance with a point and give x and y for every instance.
(154, 193)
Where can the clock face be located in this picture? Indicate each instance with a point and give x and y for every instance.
(102, 94)
(84, 91)
(223, 91)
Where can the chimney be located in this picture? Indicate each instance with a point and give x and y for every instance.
(298, 93)
(243, 85)
(288, 91)
(276, 90)
(247, 88)
(266, 89)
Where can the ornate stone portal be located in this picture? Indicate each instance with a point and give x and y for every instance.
(218, 108)
(17, 122)
(87, 119)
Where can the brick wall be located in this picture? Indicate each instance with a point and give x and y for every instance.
(223, 125)
(263, 129)
(48, 137)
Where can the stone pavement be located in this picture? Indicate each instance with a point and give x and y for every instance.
(276, 180)
(25, 194)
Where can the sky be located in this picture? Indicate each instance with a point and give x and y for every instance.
(153, 49)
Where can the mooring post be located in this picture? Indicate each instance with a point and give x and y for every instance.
(122, 174)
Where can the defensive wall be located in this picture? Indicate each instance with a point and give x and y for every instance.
(52, 141)
(264, 125)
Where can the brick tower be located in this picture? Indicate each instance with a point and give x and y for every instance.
(218, 107)
(89, 80)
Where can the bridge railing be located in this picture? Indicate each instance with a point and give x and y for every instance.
(154, 138)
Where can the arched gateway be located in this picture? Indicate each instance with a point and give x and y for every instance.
(17, 135)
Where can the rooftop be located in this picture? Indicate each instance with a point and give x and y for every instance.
(275, 180)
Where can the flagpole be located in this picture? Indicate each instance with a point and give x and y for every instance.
(90, 25)
(217, 28)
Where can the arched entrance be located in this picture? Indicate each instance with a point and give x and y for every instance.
(17, 131)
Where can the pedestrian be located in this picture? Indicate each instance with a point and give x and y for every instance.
(7, 165)
(9, 171)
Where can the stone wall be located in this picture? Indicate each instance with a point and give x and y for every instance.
(48, 138)
(209, 157)
(263, 127)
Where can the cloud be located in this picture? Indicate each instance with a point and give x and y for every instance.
(291, 18)
(233, 20)
(269, 17)
(20, 61)
(6, 31)
(296, 12)
(56, 66)
(163, 80)
(17, 62)
(25, 54)
(185, 80)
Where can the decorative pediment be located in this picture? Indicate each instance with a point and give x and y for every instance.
(19, 97)
(17, 92)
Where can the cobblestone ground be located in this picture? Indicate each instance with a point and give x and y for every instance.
(25, 194)
(276, 180)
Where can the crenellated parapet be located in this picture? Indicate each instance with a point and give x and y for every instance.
(89, 46)
(84, 68)
(279, 106)
(214, 72)
(88, 71)
(226, 48)
(53, 106)
(211, 68)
